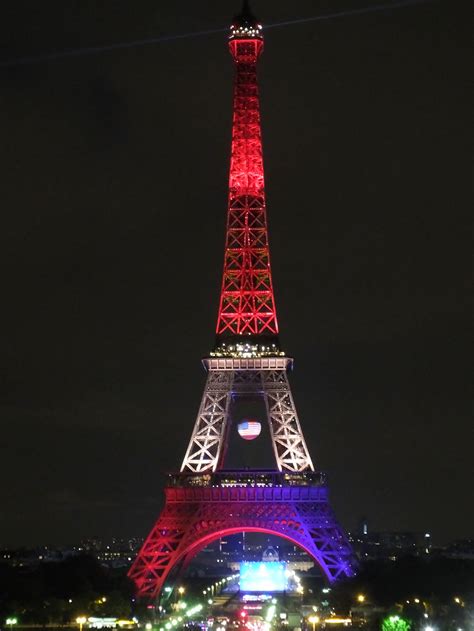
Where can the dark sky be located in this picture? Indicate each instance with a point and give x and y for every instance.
(114, 174)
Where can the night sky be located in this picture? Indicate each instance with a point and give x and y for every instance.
(114, 174)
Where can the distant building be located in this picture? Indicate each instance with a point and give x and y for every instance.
(389, 545)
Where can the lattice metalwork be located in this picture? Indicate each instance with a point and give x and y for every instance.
(208, 441)
(291, 452)
(247, 305)
(192, 518)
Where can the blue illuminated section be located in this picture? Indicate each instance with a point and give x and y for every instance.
(267, 576)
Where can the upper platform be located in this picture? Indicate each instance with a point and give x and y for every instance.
(245, 25)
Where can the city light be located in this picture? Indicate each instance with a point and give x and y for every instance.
(81, 620)
(313, 620)
(270, 613)
(395, 623)
(360, 598)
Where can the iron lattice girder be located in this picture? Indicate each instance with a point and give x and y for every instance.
(247, 304)
(193, 517)
(208, 441)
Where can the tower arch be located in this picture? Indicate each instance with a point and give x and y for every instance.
(194, 517)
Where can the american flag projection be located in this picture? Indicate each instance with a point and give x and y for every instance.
(248, 430)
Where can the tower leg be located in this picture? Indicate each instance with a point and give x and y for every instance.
(207, 441)
(289, 445)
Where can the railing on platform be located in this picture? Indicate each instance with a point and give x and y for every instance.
(246, 479)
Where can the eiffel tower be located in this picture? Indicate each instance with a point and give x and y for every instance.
(205, 501)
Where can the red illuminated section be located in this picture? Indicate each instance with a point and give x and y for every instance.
(247, 305)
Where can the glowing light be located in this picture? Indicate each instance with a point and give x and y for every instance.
(102, 623)
(266, 576)
(395, 623)
(360, 598)
(81, 620)
(270, 613)
(148, 626)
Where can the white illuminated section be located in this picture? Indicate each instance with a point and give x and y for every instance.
(269, 576)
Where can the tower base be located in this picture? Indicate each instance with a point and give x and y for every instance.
(202, 508)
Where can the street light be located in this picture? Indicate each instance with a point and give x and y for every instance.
(80, 621)
(181, 590)
(361, 598)
(314, 621)
(11, 622)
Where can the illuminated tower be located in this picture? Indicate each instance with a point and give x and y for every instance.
(247, 306)
(204, 501)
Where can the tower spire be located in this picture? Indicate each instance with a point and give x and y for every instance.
(247, 314)
(246, 11)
